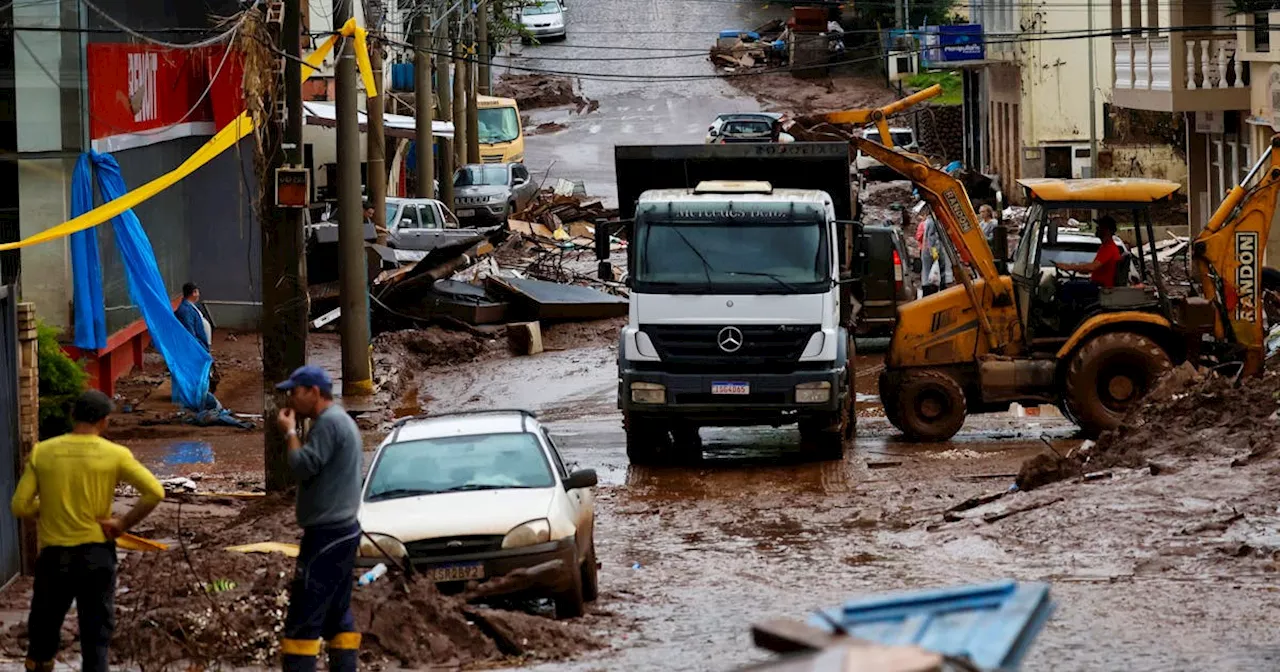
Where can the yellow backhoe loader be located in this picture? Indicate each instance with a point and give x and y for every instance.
(1038, 335)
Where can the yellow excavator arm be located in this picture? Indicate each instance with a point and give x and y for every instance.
(1229, 252)
(948, 199)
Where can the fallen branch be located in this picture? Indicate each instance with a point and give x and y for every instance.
(950, 515)
(996, 516)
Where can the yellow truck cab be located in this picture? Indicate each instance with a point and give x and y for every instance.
(501, 133)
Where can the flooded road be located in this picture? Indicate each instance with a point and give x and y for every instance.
(691, 557)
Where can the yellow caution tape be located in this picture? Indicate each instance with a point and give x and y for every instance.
(288, 550)
(225, 139)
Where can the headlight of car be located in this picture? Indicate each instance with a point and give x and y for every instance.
(495, 199)
(374, 545)
(528, 534)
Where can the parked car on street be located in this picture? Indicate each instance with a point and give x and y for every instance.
(543, 19)
(870, 168)
(487, 194)
(475, 495)
(747, 127)
(887, 279)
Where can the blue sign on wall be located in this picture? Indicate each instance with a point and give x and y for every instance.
(961, 43)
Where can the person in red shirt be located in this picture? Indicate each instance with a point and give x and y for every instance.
(1102, 270)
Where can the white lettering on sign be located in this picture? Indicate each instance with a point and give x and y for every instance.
(142, 85)
(1246, 276)
(733, 214)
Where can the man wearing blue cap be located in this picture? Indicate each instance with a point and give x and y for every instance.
(327, 468)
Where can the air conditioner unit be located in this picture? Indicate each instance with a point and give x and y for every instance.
(903, 64)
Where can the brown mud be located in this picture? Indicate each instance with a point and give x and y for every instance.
(200, 605)
(535, 90)
(785, 93)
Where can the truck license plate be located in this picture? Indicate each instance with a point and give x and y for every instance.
(730, 388)
(466, 213)
(465, 571)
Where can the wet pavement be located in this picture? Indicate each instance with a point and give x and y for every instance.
(692, 556)
(653, 39)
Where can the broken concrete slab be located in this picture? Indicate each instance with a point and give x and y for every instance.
(541, 300)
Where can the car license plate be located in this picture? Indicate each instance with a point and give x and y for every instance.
(730, 388)
(464, 571)
(467, 213)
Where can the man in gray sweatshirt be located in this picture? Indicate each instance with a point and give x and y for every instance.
(327, 469)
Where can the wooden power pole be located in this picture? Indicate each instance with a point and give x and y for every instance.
(459, 96)
(284, 288)
(482, 48)
(446, 113)
(426, 110)
(353, 289)
(473, 111)
(376, 152)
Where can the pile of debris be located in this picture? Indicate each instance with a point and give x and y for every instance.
(199, 605)
(1197, 414)
(737, 50)
(535, 91)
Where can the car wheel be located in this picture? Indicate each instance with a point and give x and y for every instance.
(571, 603)
(590, 578)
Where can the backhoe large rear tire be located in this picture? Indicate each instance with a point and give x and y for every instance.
(1109, 376)
(930, 405)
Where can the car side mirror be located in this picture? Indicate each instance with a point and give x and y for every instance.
(582, 478)
(518, 181)
(405, 223)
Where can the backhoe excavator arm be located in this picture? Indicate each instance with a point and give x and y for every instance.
(1229, 252)
(945, 194)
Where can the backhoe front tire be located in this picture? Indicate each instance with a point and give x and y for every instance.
(930, 405)
(1109, 376)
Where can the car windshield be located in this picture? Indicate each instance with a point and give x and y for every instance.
(736, 256)
(1075, 254)
(747, 127)
(498, 124)
(459, 463)
(537, 8)
(900, 138)
(471, 176)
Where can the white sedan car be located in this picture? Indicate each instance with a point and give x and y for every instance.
(472, 496)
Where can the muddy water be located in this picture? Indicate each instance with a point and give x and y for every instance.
(691, 557)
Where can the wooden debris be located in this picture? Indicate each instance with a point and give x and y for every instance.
(951, 515)
(995, 516)
(525, 338)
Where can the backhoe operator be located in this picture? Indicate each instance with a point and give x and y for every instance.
(1102, 270)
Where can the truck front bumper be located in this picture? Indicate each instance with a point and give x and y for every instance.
(732, 399)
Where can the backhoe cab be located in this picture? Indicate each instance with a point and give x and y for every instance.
(1038, 335)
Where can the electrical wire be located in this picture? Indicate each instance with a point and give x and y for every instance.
(151, 131)
(217, 39)
(621, 77)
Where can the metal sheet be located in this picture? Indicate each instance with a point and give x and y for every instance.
(552, 301)
(991, 625)
(10, 533)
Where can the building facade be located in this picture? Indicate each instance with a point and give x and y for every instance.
(1034, 89)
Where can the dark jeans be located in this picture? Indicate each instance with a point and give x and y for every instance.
(86, 574)
(320, 600)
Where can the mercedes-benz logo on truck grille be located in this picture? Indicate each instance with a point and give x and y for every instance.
(730, 339)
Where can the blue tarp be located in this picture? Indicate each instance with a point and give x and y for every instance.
(187, 359)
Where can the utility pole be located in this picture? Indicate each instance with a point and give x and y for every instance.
(1093, 101)
(377, 139)
(426, 109)
(284, 270)
(473, 112)
(459, 96)
(482, 48)
(357, 378)
(446, 113)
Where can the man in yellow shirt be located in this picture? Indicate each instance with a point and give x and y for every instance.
(68, 487)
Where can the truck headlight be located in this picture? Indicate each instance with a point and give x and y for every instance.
(374, 545)
(648, 393)
(813, 393)
(531, 533)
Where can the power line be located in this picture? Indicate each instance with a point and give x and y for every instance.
(172, 45)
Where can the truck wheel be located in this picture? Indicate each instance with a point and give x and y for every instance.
(849, 421)
(1110, 375)
(822, 437)
(648, 443)
(686, 443)
(930, 405)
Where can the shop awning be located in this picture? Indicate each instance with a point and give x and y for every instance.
(323, 113)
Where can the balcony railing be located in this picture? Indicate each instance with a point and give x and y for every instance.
(1180, 73)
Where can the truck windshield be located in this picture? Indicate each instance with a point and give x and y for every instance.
(731, 257)
(498, 124)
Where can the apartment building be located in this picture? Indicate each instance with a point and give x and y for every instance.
(1034, 87)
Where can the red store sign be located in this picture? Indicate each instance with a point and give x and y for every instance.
(135, 88)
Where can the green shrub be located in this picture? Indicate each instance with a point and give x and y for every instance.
(62, 379)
